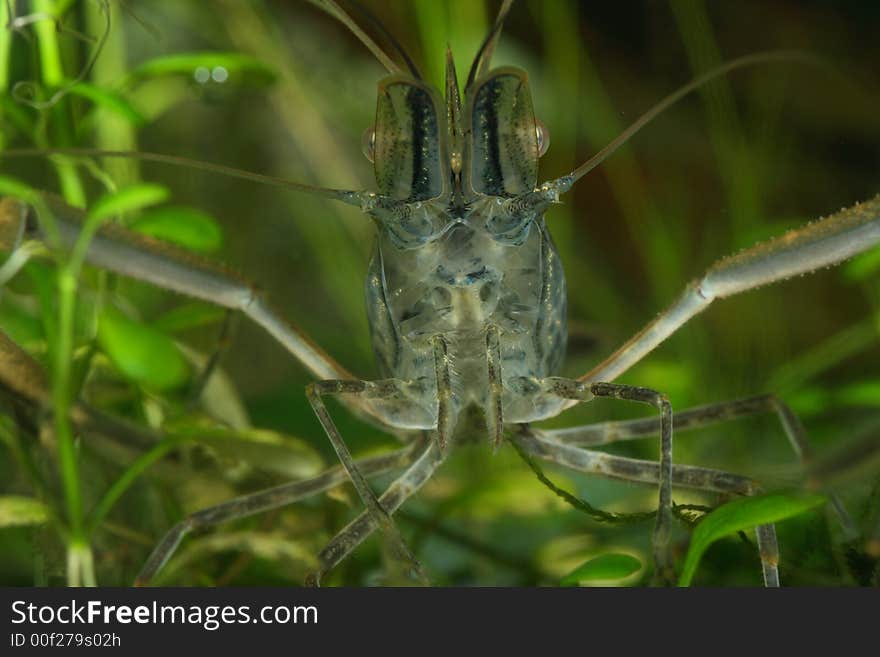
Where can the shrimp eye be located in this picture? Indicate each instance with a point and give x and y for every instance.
(368, 142)
(543, 135)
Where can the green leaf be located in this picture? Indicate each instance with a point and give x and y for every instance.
(604, 567)
(12, 187)
(16, 511)
(186, 227)
(261, 448)
(188, 316)
(140, 352)
(236, 65)
(127, 199)
(740, 515)
(812, 400)
(515, 493)
(219, 398)
(860, 393)
(108, 100)
(275, 547)
(863, 265)
(21, 326)
(674, 378)
(15, 115)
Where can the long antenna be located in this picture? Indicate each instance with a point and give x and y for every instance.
(352, 197)
(395, 44)
(675, 96)
(484, 55)
(337, 12)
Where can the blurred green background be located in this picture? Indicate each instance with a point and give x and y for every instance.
(764, 150)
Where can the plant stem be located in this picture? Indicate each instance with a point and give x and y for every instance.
(61, 399)
(5, 43)
(127, 478)
(112, 132)
(80, 570)
(50, 55)
(80, 564)
(52, 73)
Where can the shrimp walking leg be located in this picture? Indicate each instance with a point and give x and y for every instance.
(537, 443)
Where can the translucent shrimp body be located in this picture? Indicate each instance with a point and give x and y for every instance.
(463, 251)
(458, 285)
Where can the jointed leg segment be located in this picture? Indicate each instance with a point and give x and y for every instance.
(381, 518)
(701, 416)
(577, 390)
(443, 376)
(494, 413)
(386, 389)
(537, 443)
(822, 243)
(272, 498)
(361, 527)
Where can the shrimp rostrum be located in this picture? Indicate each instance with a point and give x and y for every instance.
(466, 301)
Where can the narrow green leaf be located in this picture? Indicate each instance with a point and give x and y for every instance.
(15, 116)
(17, 511)
(812, 400)
(192, 64)
(264, 449)
(24, 192)
(674, 377)
(860, 393)
(12, 187)
(188, 316)
(127, 199)
(604, 567)
(186, 227)
(512, 493)
(127, 478)
(275, 547)
(740, 515)
(108, 100)
(863, 265)
(142, 354)
(22, 327)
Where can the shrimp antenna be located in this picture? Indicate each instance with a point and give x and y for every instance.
(484, 55)
(351, 197)
(734, 64)
(395, 44)
(337, 12)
